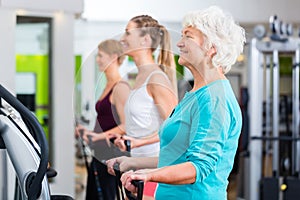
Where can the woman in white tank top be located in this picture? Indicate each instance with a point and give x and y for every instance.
(143, 118)
(154, 93)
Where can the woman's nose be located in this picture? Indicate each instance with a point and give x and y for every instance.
(122, 38)
(180, 43)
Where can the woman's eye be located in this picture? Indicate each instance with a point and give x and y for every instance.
(186, 36)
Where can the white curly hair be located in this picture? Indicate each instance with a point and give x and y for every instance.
(221, 32)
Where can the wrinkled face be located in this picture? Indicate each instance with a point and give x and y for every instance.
(103, 60)
(191, 47)
(131, 39)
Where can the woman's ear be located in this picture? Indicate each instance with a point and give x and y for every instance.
(114, 57)
(147, 40)
(143, 41)
(212, 51)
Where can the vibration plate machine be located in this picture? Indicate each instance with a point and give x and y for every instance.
(24, 140)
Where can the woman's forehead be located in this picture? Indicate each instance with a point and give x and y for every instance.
(191, 29)
(131, 25)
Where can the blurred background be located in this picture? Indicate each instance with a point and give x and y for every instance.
(47, 59)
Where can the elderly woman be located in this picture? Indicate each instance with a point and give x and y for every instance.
(199, 139)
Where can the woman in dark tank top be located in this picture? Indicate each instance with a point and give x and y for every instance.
(107, 114)
(110, 121)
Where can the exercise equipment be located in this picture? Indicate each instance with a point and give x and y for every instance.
(100, 151)
(24, 140)
(84, 148)
(139, 184)
(273, 134)
(90, 166)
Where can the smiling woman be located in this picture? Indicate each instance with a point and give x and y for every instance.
(110, 120)
(154, 92)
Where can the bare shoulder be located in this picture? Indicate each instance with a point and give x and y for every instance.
(122, 85)
(159, 85)
(122, 88)
(159, 78)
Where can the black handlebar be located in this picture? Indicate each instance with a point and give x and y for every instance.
(128, 145)
(126, 142)
(30, 120)
(81, 133)
(139, 184)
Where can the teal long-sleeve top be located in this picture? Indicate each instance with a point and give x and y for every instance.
(203, 129)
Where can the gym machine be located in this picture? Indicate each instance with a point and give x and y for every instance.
(273, 124)
(24, 140)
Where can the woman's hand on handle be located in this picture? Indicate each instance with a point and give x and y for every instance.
(120, 143)
(126, 180)
(134, 142)
(125, 164)
(77, 130)
(139, 175)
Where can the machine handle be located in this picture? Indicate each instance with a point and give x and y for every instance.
(140, 189)
(81, 133)
(128, 145)
(30, 120)
(139, 184)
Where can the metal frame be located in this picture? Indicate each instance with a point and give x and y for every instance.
(295, 123)
(275, 112)
(24, 158)
(29, 158)
(260, 51)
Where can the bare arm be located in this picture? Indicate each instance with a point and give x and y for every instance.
(138, 142)
(119, 98)
(162, 92)
(168, 175)
(130, 163)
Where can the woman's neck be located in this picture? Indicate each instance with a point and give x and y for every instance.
(206, 75)
(147, 68)
(112, 75)
(143, 58)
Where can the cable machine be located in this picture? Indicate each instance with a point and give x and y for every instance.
(274, 146)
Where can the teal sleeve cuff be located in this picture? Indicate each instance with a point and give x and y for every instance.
(197, 172)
